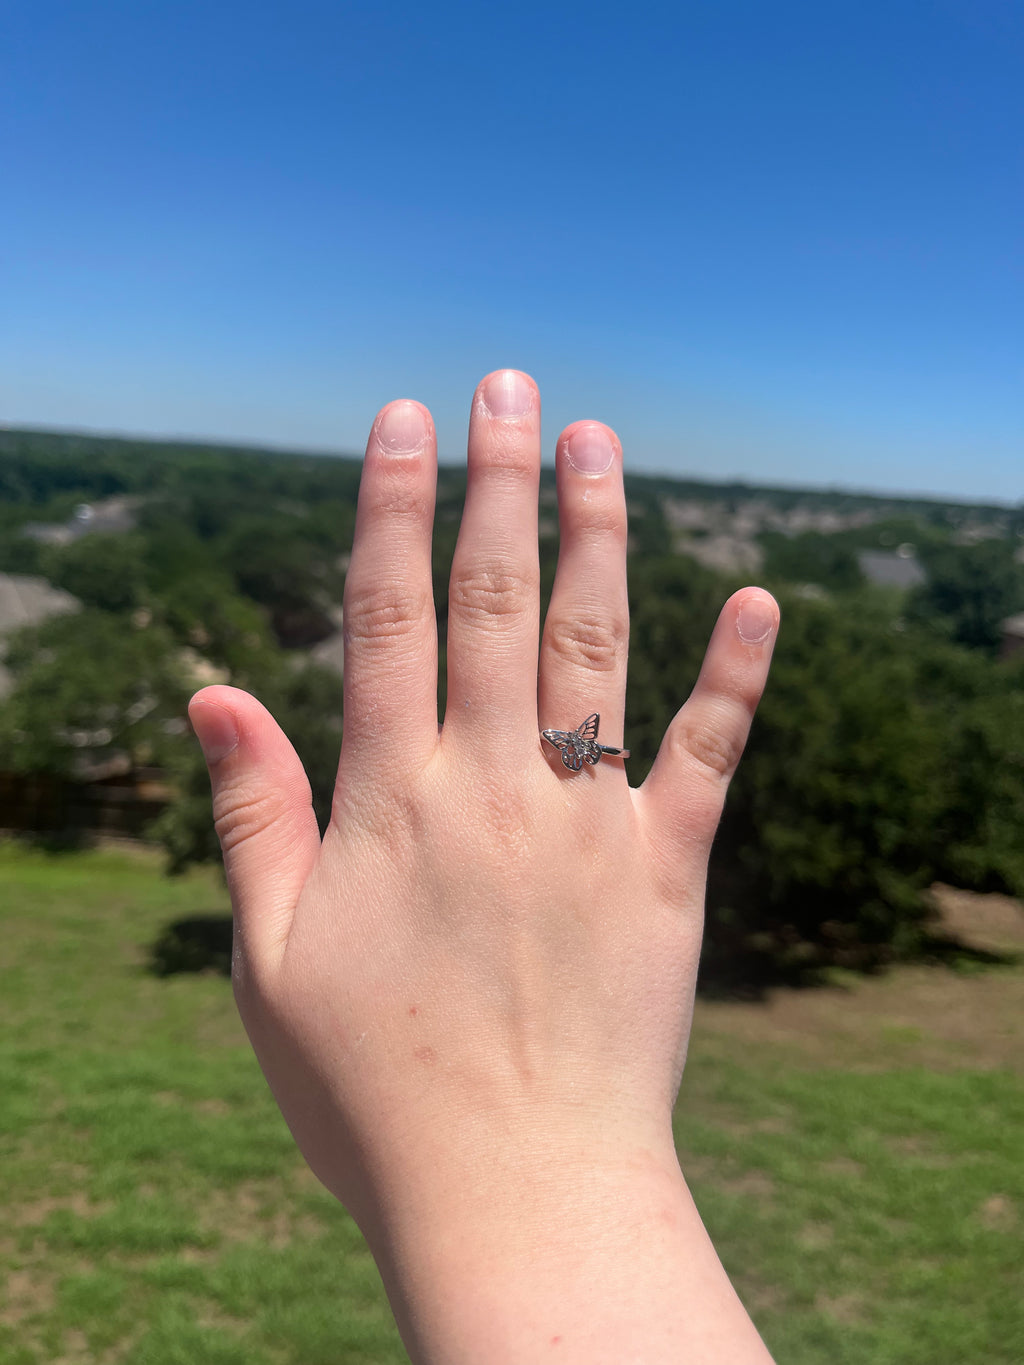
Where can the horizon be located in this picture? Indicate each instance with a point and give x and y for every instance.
(776, 246)
(244, 445)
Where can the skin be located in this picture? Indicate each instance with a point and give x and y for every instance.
(472, 1001)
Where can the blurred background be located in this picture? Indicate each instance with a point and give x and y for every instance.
(778, 249)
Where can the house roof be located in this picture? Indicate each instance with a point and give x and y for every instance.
(111, 514)
(891, 570)
(25, 600)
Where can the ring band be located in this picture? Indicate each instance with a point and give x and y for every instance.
(580, 746)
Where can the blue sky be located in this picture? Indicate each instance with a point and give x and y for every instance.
(781, 241)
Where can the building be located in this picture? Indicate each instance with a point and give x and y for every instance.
(1012, 629)
(25, 601)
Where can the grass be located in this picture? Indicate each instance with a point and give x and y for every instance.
(156, 1208)
(855, 1153)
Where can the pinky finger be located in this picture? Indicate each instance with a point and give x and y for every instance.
(683, 796)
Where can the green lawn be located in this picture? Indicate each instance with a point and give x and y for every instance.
(864, 1189)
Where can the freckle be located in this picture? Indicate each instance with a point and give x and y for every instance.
(414, 1009)
(424, 1054)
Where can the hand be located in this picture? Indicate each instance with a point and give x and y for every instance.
(473, 1000)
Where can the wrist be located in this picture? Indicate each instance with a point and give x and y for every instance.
(493, 1253)
(592, 1246)
(514, 1167)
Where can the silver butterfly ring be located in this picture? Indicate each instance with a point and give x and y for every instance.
(580, 746)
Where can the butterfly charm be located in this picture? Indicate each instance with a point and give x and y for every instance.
(580, 746)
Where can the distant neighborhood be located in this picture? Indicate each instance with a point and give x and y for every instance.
(233, 560)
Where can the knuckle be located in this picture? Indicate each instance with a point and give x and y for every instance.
(398, 500)
(487, 596)
(389, 817)
(240, 815)
(508, 817)
(503, 458)
(601, 524)
(714, 751)
(596, 645)
(383, 611)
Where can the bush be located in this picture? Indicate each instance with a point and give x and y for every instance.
(881, 760)
(306, 702)
(970, 590)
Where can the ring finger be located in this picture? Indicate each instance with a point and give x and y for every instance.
(586, 633)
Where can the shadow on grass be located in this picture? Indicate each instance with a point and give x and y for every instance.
(70, 840)
(947, 950)
(200, 943)
(750, 975)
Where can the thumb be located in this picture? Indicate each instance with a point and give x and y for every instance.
(263, 814)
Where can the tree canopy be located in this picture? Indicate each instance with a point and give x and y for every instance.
(888, 752)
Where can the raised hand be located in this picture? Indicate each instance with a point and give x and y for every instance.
(472, 1001)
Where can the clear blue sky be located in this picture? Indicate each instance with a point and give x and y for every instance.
(777, 241)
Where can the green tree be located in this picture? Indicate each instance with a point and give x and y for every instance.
(281, 563)
(104, 570)
(306, 701)
(970, 590)
(832, 826)
(204, 611)
(880, 760)
(673, 604)
(84, 684)
(979, 707)
(829, 561)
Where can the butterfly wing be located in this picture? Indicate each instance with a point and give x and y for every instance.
(577, 746)
(559, 738)
(588, 728)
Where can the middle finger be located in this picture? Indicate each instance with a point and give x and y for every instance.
(494, 597)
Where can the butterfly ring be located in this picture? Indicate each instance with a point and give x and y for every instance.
(580, 746)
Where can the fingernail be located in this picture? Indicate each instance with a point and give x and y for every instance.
(215, 729)
(755, 621)
(402, 428)
(508, 394)
(590, 450)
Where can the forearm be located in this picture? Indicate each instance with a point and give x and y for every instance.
(588, 1261)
